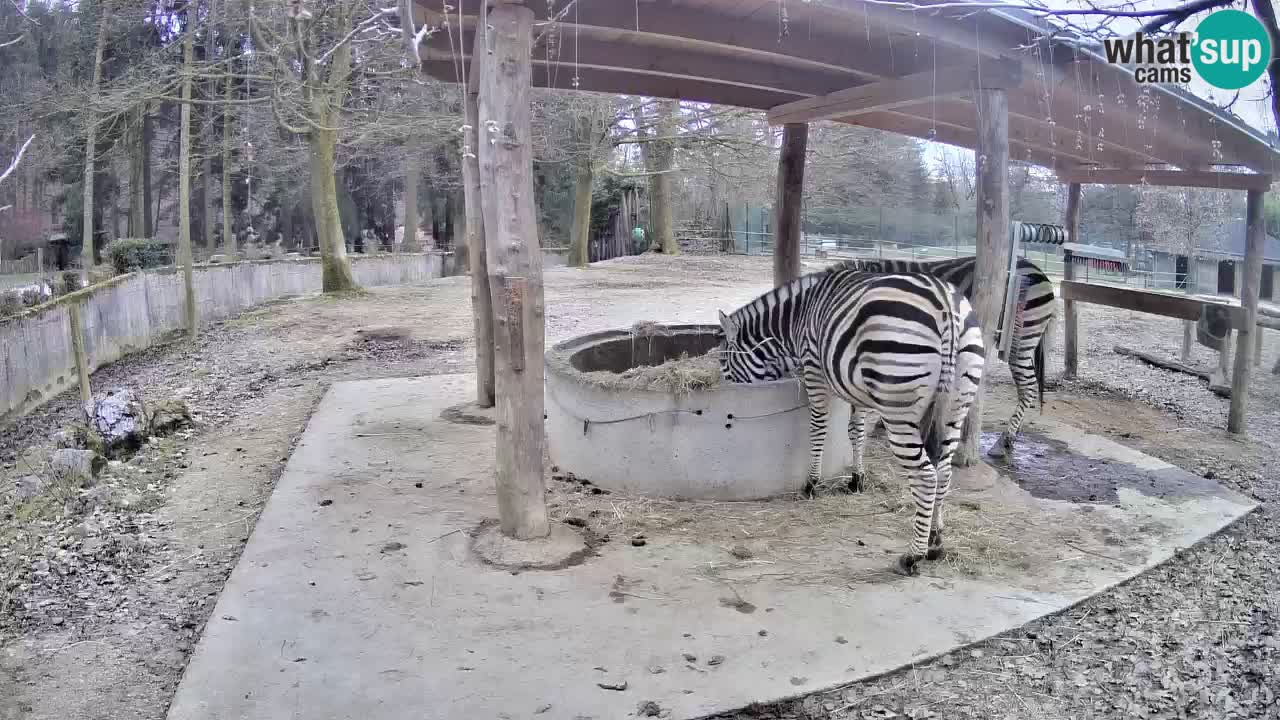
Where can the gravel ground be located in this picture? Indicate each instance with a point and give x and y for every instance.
(106, 597)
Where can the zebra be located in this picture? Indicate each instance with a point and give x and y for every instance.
(905, 346)
(1033, 327)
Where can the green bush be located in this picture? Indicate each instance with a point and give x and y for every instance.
(130, 254)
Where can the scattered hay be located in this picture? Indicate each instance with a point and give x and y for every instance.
(985, 539)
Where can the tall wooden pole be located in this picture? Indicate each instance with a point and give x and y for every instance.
(786, 247)
(1071, 323)
(478, 265)
(992, 251)
(1255, 232)
(184, 184)
(514, 265)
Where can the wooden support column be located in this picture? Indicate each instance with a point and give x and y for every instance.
(78, 352)
(515, 267)
(786, 247)
(1071, 322)
(1255, 234)
(992, 251)
(478, 265)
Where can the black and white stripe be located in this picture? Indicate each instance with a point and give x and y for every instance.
(904, 346)
(1032, 325)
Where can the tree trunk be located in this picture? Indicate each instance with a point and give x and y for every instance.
(149, 217)
(411, 219)
(579, 232)
(437, 236)
(1188, 327)
(137, 199)
(228, 211)
(1071, 322)
(228, 91)
(1251, 284)
(663, 153)
(184, 185)
(91, 148)
(786, 247)
(448, 219)
(481, 299)
(515, 267)
(458, 221)
(992, 243)
(336, 266)
(206, 185)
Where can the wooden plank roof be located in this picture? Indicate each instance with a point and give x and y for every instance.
(1070, 109)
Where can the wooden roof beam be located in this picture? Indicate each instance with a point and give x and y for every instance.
(1167, 178)
(699, 28)
(897, 92)
(686, 63)
(618, 82)
(962, 136)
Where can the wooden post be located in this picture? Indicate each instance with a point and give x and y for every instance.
(1255, 233)
(1257, 348)
(514, 266)
(992, 251)
(786, 249)
(77, 349)
(481, 299)
(1071, 321)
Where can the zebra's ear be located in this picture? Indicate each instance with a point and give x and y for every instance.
(726, 324)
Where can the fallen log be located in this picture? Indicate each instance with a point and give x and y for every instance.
(1219, 390)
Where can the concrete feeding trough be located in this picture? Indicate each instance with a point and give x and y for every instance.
(631, 432)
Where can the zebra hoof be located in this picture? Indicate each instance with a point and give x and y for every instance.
(810, 490)
(907, 566)
(856, 483)
(935, 552)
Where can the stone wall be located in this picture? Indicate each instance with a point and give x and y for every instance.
(135, 311)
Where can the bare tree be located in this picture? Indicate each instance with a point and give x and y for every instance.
(91, 145)
(313, 72)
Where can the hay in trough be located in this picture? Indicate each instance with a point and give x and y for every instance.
(679, 376)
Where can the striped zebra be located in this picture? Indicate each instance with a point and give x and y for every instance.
(905, 346)
(1033, 327)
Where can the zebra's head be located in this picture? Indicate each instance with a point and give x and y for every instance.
(745, 359)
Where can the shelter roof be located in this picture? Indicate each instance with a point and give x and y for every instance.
(1068, 107)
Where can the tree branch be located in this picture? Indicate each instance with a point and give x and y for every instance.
(16, 159)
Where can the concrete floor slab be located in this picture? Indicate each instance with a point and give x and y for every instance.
(359, 596)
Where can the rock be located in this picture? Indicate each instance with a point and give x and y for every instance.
(76, 467)
(98, 496)
(29, 486)
(166, 416)
(648, 708)
(120, 418)
(217, 259)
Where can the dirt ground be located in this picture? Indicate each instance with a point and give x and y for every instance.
(106, 603)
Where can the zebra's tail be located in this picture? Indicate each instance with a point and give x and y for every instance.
(933, 424)
(1041, 355)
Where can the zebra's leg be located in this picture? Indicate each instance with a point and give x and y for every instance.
(1024, 379)
(922, 480)
(858, 439)
(936, 551)
(968, 378)
(815, 387)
